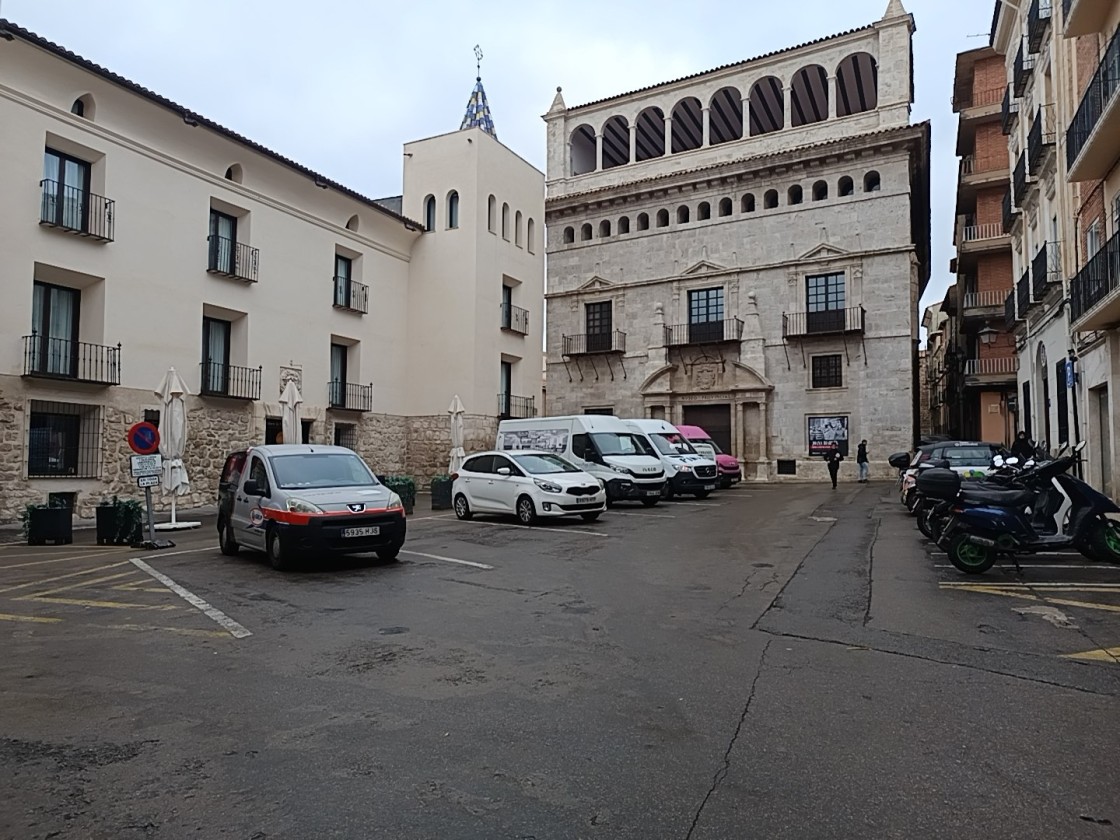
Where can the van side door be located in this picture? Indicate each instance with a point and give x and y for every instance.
(247, 518)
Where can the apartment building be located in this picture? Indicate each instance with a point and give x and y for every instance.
(744, 249)
(139, 235)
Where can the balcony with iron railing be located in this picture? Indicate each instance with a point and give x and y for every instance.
(1046, 270)
(230, 381)
(349, 396)
(1023, 69)
(1091, 147)
(984, 98)
(76, 361)
(1009, 113)
(968, 165)
(1095, 292)
(823, 322)
(985, 236)
(515, 319)
(1038, 22)
(1085, 17)
(978, 303)
(76, 211)
(1040, 140)
(1010, 212)
(704, 332)
(1020, 178)
(231, 258)
(351, 295)
(512, 407)
(588, 344)
(992, 366)
(1023, 293)
(1010, 312)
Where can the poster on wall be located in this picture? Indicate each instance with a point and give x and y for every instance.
(825, 431)
(546, 440)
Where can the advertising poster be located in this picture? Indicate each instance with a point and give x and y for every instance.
(825, 431)
(545, 440)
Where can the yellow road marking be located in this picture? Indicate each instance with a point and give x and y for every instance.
(52, 560)
(64, 577)
(112, 605)
(38, 619)
(182, 631)
(1098, 655)
(1026, 596)
(78, 585)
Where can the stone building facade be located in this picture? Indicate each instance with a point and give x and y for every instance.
(744, 250)
(138, 235)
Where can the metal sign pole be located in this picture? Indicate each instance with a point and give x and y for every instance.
(151, 521)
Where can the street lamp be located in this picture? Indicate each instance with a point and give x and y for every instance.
(987, 335)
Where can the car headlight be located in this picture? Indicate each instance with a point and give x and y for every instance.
(395, 502)
(684, 468)
(548, 486)
(622, 470)
(301, 506)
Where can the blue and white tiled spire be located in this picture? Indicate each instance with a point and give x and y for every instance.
(478, 108)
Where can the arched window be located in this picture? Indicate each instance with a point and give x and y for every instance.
(871, 182)
(517, 229)
(569, 235)
(624, 225)
(235, 173)
(767, 106)
(796, 195)
(703, 211)
(505, 222)
(616, 142)
(531, 236)
(809, 97)
(585, 232)
(430, 213)
(643, 221)
(453, 209)
(857, 85)
(83, 107)
(662, 218)
(650, 134)
(725, 116)
(845, 187)
(725, 207)
(820, 191)
(583, 150)
(491, 214)
(352, 223)
(688, 125)
(604, 229)
(770, 200)
(682, 214)
(748, 203)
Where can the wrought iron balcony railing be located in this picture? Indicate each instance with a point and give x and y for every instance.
(231, 381)
(1100, 98)
(968, 165)
(1024, 68)
(1023, 293)
(1097, 280)
(1010, 211)
(1009, 113)
(978, 98)
(59, 358)
(827, 322)
(1020, 177)
(1040, 140)
(515, 319)
(590, 343)
(349, 396)
(350, 294)
(1046, 268)
(704, 332)
(984, 300)
(1038, 21)
(231, 258)
(76, 210)
(992, 365)
(511, 407)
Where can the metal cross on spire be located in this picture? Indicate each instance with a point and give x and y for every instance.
(478, 62)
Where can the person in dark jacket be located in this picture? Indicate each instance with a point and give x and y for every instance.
(1022, 448)
(834, 458)
(862, 462)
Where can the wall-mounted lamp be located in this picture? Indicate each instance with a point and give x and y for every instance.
(987, 335)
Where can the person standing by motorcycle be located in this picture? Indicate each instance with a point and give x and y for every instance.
(862, 462)
(1022, 448)
(833, 459)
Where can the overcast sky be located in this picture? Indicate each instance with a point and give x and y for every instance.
(340, 85)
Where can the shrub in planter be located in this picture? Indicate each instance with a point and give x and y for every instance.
(120, 522)
(404, 487)
(441, 492)
(46, 523)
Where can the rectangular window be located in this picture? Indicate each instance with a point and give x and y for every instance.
(346, 434)
(825, 302)
(54, 323)
(507, 307)
(215, 355)
(705, 315)
(1060, 400)
(828, 371)
(505, 385)
(1093, 238)
(343, 273)
(63, 440)
(65, 191)
(223, 242)
(599, 319)
(339, 357)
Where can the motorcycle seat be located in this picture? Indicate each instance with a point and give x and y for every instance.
(999, 498)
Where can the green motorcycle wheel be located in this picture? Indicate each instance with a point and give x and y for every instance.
(970, 558)
(1104, 541)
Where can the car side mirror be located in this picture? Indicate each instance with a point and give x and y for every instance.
(251, 488)
(505, 472)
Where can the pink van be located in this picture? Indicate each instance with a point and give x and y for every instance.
(729, 470)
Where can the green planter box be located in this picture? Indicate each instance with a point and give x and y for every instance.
(404, 487)
(119, 524)
(441, 493)
(50, 524)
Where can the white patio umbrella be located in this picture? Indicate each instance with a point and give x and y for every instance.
(456, 411)
(290, 402)
(173, 437)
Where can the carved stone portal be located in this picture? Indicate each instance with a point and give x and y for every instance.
(291, 373)
(705, 377)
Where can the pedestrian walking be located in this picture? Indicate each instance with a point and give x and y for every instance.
(862, 462)
(834, 458)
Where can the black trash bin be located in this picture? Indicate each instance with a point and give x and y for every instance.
(50, 524)
(441, 493)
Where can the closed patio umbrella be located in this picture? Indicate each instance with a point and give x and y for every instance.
(457, 412)
(289, 413)
(173, 437)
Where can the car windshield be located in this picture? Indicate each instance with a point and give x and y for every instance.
(612, 443)
(321, 469)
(711, 443)
(705, 449)
(672, 444)
(543, 464)
(969, 456)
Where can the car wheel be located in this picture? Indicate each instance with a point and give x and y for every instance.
(925, 521)
(650, 502)
(526, 512)
(389, 555)
(703, 494)
(590, 517)
(279, 554)
(462, 507)
(667, 491)
(970, 558)
(226, 543)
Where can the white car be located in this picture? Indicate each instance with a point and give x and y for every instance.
(527, 483)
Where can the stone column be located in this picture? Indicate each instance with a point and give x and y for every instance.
(668, 135)
(598, 152)
(706, 131)
(747, 116)
(832, 104)
(787, 116)
(634, 143)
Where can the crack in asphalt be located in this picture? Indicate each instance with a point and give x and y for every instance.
(722, 772)
(878, 521)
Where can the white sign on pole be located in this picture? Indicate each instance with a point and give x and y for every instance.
(146, 465)
(148, 481)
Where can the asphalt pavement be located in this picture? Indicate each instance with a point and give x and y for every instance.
(782, 661)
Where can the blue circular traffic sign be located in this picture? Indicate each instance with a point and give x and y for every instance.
(143, 438)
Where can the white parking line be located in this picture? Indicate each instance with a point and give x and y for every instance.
(696, 504)
(650, 515)
(534, 527)
(1074, 585)
(1036, 566)
(223, 620)
(436, 516)
(447, 559)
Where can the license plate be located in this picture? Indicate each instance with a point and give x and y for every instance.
(653, 492)
(709, 487)
(585, 500)
(372, 531)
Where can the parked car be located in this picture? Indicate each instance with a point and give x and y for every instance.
(686, 471)
(969, 459)
(528, 484)
(728, 465)
(288, 500)
(600, 445)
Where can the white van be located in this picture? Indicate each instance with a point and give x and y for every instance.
(686, 471)
(600, 445)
